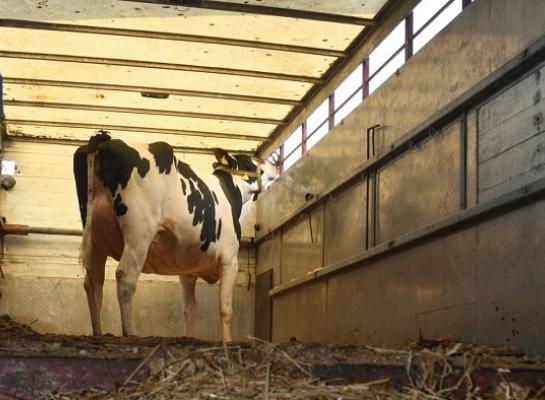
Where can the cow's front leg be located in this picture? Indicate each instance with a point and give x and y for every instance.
(227, 287)
(190, 304)
(126, 275)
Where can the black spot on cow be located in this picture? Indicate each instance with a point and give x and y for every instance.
(164, 156)
(200, 203)
(183, 186)
(233, 195)
(218, 233)
(116, 162)
(215, 197)
(119, 208)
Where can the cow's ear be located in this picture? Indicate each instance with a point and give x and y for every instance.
(223, 157)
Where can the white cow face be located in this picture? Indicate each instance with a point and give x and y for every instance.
(269, 173)
(247, 167)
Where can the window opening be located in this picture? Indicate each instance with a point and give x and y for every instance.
(293, 148)
(349, 94)
(430, 17)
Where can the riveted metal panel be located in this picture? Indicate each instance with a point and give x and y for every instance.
(300, 314)
(302, 246)
(420, 186)
(345, 223)
(387, 301)
(511, 278)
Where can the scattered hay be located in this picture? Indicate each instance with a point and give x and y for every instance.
(261, 370)
(182, 368)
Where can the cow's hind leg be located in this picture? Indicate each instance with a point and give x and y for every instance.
(93, 284)
(127, 273)
(227, 286)
(190, 304)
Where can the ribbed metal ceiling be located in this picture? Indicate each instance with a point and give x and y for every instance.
(195, 73)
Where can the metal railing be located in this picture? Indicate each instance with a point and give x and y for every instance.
(25, 230)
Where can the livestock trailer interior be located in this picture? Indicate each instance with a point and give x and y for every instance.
(408, 136)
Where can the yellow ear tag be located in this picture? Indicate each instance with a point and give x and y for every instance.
(224, 161)
(246, 177)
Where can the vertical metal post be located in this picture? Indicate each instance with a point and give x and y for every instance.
(409, 36)
(1, 97)
(304, 134)
(365, 65)
(374, 208)
(281, 158)
(367, 211)
(331, 111)
(463, 161)
(3, 131)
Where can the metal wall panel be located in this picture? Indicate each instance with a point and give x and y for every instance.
(471, 159)
(324, 165)
(421, 186)
(345, 223)
(302, 246)
(483, 284)
(300, 314)
(387, 300)
(511, 278)
(448, 66)
(269, 257)
(511, 140)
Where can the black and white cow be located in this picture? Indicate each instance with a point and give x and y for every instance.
(155, 214)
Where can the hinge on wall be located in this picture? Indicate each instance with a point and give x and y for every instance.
(371, 140)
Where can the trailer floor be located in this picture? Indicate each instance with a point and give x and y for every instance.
(34, 365)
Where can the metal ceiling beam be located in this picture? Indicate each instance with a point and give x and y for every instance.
(122, 128)
(145, 111)
(140, 89)
(157, 65)
(52, 26)
(263, 10)
(77, 142)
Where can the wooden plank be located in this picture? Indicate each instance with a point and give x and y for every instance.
(136, 76)
(511, 131)
(148, 50)
(245, 129)
(111, 98)
(513, 168)
(82, 135)
(190, 21)
(510, 103)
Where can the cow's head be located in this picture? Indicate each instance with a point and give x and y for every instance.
(254, 174)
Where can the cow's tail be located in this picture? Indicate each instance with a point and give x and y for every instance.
(85, 190)
(86, 244)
